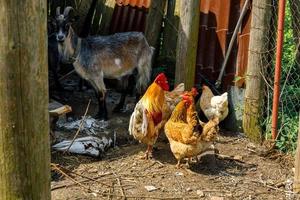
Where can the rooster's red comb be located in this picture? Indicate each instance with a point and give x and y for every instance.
(161, 77)
(194, 91)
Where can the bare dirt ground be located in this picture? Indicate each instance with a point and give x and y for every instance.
(245, 172)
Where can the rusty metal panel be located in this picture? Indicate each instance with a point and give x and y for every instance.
(129, 18)
(134, 3)
(242, 56)
(217, 22)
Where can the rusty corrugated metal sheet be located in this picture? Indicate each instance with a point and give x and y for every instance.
(217, 22)
(133, 3)
(129, 15)
(243, 42)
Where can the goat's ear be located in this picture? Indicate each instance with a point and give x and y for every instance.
(71, 31)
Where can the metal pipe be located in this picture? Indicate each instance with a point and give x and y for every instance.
(232, 40)
(280, 32)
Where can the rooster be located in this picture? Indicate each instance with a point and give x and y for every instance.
(213, 106)
(147, 117)
(187, 136)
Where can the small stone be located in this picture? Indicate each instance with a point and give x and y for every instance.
(238, 157)
(178, 174)
(200, 193)
(150, 188)
(93, 170)
(188, 189)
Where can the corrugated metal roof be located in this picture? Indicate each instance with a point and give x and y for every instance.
(133, 3)
(128, 18)
(217, 22)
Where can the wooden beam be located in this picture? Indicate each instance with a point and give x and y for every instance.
(24, 125)
(261, 16)
(187, 42)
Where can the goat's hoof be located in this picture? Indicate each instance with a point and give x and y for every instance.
(101, 116)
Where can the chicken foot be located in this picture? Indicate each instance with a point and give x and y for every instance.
(148, 153)
(179, 165)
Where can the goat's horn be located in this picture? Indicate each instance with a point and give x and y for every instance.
(58, 11)
(67, 10)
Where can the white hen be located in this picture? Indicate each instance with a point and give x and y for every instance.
(214, 106)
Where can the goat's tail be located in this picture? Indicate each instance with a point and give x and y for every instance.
(144, 70)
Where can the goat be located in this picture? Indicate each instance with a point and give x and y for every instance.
(113, 57)
(56, 35)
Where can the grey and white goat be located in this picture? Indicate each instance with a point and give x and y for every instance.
(56, 30)
(112, 57)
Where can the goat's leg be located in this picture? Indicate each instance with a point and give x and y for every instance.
(82, 85)
(98, 84)
(102, 110)
(121, 102)
(124, 84)
(56, 81)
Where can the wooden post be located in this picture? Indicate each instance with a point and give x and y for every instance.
(294, 6)
(24, 125)
(297, 163)
(187, 42)
(170, 34)
(154, 22)
(261, 15)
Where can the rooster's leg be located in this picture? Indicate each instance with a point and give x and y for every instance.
(187, 164)
(148, 153)
(178, 164)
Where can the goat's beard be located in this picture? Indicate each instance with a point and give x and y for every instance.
(66, 50)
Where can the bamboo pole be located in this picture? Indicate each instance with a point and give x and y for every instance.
(24, 125)
(187, 42)
(261, 15)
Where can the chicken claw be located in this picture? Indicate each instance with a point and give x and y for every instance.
(178, 166)
(148, 153)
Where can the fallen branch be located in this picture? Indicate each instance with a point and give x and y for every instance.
(226, 157)
(66, 75)
(83, 176)
(121, 187)
(55, 167)
(79, 128)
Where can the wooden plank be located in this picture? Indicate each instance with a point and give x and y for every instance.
(187, 42)
(24, 126)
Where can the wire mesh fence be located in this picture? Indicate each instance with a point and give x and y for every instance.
(289, 103)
